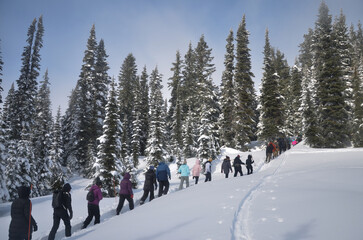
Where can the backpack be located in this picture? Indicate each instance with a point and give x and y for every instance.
(90, 196)
(57, 201)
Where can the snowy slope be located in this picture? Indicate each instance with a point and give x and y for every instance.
(303, 194)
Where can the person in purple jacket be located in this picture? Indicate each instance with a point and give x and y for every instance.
(125, 193)
(93, 207)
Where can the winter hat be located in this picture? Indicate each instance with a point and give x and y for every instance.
(23, 192)
(98, 182)
(209, 159)
(67, 187)
(151, 167)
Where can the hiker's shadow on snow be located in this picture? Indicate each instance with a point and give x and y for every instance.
(301, 232)
(168, 230)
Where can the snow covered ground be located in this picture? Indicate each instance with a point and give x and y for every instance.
(303, 194)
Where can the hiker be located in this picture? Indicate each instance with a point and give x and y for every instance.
(237, 164)
(93, 206)
(226, 166)
(249, 162)
(208, 170)
(62, 204)
(162, 175)
(125, 193)
(21, 219)
(150, 182)
(196, 171)
(184, 171)
(269, 150)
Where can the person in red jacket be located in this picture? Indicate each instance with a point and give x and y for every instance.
(125, 193)
(93, 207)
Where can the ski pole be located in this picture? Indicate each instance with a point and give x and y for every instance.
(30, 212)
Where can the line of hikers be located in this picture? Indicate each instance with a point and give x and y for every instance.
(21, 228)
(278, 146)
(237, 164)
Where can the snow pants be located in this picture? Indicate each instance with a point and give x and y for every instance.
(146, 193)
(59, 214)
(163, 188)
(122, 201)
(182, 179)
(208, 177)
(196, 179)
(93, 211)
(238, 170)
(249, 170)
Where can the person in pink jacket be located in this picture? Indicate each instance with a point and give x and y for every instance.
(93, 207)
(196, 171)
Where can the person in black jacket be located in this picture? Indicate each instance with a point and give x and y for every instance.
(237, 164)
(21, 216)
(150, 182)
(249, 162)
(62, 213)
(226, 166)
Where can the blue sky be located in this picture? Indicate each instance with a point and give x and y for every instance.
(152, 30)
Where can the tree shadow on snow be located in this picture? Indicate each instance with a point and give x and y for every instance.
(301, 232)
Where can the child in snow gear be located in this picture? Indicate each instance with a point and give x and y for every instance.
(162, 175)
(237, 164)
(93, 206)
(226, 166)
(21, 216)
(125, 193)
(150, 181)
(249, 162)
(184, 171)
(208, 170)
(196, 171)
(62, 204)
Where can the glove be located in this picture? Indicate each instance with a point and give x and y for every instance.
(35, 228)
(132, 196)
(70, 215)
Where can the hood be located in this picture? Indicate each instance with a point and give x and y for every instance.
(127, 176)
(24, 192)
(66, 188)
(197, 162)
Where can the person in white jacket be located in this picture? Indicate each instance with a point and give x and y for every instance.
(196, 171)
(208, 170)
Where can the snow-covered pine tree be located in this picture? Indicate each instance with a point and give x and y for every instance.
(57, 174)
(126, 88)
(246, 101)
(282, 70)
(86, 136)
(294, 120)
(206, 142)
(144, 110)
(341, 35)
(70, 127)
(1, 74)
(331, 109)
(207, 95)
(27, 88)
(270, 99)
(4, 141)
(101, 82)
(155, 147)
(174, 114)
(189, 135)
(228, 98)
(42, 136)
(188, 90)
(108, 166)
(9, 113)
(358, 105)
(306, 59)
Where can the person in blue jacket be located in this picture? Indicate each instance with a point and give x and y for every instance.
(163, 176)
(184, 171)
